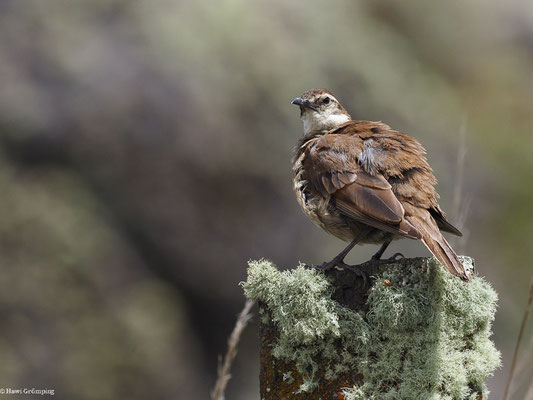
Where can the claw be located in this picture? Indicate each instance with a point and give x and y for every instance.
(396, 256)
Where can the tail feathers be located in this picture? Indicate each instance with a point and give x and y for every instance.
(437, 244)
(447, 257)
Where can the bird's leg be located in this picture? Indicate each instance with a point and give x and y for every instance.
(338, 261)
(381, 250)
(339, 258)
(377, 257)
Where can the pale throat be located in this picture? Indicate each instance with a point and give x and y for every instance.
(315, 123)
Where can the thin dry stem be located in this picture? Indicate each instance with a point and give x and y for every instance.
(461, 203)
(519, 340)
(461, 157)
(224, 367)
(522, 375)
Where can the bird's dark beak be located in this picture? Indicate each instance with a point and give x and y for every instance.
(303, 103)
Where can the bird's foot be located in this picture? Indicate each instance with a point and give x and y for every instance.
(326, 266)
(394, 257)
(339, 262)
(382, 261)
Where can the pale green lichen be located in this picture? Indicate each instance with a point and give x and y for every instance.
(310, 323)
(426, 334)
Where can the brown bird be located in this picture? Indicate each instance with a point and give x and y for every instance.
(364, 182)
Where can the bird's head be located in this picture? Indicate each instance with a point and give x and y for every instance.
(320, 111)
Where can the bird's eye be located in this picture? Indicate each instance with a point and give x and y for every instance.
(326, 100)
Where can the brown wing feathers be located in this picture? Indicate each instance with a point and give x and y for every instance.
(378, 203)
(375, 207)
(357, 194)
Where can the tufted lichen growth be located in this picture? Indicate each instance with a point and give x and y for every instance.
(421, 333)
(310, 323)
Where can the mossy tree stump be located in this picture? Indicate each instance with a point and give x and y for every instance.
(415, 332)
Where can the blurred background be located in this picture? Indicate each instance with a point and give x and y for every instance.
(145, 157)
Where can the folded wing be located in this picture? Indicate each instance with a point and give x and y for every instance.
(357, 194)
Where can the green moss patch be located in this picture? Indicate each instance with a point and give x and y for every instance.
(424, 334)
